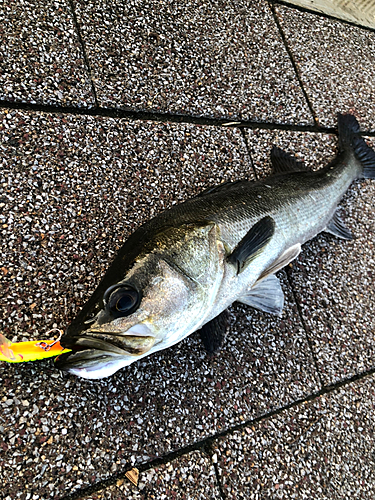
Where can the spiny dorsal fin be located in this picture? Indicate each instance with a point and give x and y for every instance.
(252, 243)
(283, 162)
(213, 333)
(265, 295)
(338, 228)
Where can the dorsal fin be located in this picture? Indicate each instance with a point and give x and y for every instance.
(283, 162)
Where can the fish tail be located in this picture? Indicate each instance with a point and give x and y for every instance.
(351, 141)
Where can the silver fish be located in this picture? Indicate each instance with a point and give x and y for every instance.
(179, 272)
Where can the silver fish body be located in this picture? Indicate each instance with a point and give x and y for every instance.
(179, 271)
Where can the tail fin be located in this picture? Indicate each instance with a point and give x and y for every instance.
(349, 140)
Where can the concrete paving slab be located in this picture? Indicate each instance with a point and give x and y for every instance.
(191, 476)
(321, 449)
(332, 278)
(72, 189)
(335, 62)
(217, 59)
(41, 56)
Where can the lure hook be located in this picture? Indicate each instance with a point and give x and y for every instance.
(46, 347)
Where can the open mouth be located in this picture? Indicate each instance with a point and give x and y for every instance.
(115, 344)
(96, 355)
(134, 341)
(97, 352)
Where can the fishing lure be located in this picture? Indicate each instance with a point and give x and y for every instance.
(20, 352)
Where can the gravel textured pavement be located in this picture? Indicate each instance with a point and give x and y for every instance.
(112, 112)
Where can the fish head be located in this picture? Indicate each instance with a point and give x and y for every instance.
(161, 299)
(149, 310)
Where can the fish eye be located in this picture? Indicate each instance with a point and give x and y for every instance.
(122, 300)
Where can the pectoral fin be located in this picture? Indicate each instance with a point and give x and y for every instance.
(266, 295)
(337, 228)
(252, 243)
(213, 333)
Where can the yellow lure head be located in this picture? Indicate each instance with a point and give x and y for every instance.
(20, 352)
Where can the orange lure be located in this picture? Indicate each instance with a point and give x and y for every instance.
(20, 352)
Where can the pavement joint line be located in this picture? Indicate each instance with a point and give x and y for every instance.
(162, 117)
(83, 46)
(169, 118)
(210, 453)
(309, 341)
(320, 14)
(205, 445)
(218, 480)
(293, 62)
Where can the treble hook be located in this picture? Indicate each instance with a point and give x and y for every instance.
(46, 347)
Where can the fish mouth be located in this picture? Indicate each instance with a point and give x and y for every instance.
(135, 341)
(115, 344)
(96, 352)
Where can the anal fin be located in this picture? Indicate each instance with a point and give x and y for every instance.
(337, 228)
(213, 333)
(265, 295)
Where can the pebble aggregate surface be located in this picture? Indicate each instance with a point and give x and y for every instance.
(216, 59)
(335, 62)
(321, 449)
(74, 186)
(189, 476)
(335, 291)
(41, 56)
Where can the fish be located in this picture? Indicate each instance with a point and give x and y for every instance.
(180, 271)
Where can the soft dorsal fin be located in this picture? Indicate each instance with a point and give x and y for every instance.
(283, 162)
(284, 259)
(213, 333)
(252, 243)
(265, 295)
(338, 228)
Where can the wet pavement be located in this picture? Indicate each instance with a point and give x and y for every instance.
(112, 112)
